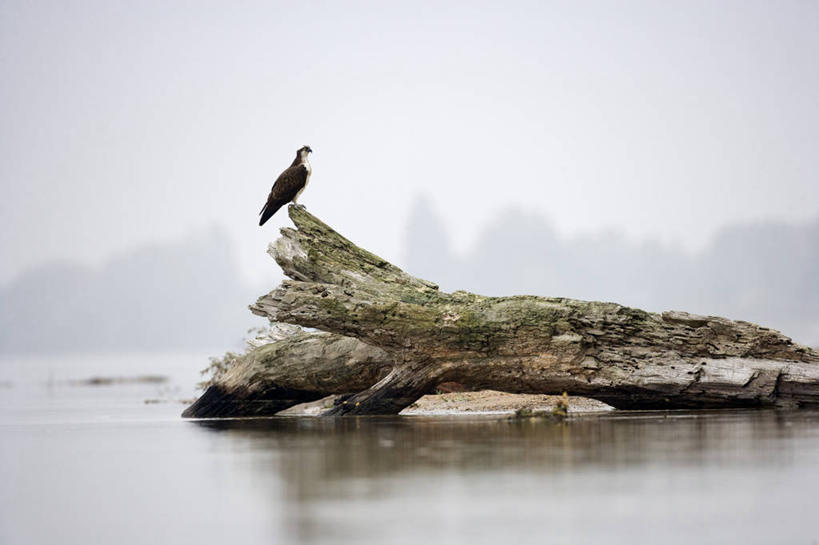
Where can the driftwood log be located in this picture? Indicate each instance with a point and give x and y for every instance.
(388, 338)
(297, 369)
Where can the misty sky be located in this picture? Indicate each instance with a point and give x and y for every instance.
(132, 122)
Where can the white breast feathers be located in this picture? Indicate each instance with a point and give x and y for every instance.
(309, 172)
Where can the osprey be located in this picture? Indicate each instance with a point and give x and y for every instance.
(288, 185)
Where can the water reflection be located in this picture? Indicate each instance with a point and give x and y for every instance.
(620, 478)
(377, 446)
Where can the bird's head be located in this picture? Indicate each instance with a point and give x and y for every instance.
(303, 152)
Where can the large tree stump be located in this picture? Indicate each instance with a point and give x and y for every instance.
(623, 356)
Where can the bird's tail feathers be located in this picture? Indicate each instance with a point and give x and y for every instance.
(268, 211)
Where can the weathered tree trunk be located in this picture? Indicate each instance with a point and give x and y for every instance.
(297, 369)
(625, 357)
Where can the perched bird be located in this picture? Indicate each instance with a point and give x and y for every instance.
(288, 185)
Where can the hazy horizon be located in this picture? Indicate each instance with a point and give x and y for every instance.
(270, 272)
(189, 294)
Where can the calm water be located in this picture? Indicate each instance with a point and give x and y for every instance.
(82, 464)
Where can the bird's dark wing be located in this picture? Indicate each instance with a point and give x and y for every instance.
(287, 185)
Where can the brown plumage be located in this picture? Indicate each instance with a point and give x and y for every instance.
(288, 185)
